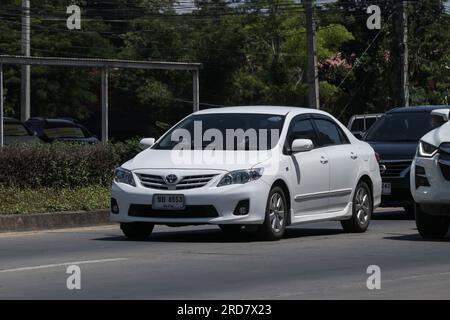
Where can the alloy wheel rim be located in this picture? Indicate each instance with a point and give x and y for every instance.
(362, 206)
(276, 212)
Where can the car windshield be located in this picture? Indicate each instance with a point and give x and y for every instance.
(225, 131)
(406, 126)
(15, 130)
(64, 131)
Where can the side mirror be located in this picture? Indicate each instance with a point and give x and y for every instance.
(442, 113)
(146, 143)
(302, 145)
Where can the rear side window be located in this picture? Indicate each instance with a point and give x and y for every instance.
(302, 129)
(329, 133)
(64, 132)
(15, 130)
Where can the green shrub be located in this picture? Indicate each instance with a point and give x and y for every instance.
(62, 164)
(37, 200)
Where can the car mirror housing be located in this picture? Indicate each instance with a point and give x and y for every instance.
(302, 145)
(146, 143)
(443, 113)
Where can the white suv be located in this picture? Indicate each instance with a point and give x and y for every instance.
(259, 167)
(430, 179)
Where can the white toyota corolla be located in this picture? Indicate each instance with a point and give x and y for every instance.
(256, 167)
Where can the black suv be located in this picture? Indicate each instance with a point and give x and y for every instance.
(63, 129)
(395, 137)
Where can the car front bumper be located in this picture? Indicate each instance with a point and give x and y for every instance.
(400, 193)
(438, 191)
(218, 204)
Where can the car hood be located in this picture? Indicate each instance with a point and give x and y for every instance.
(439, 135)
(197, 159)
(395, 150)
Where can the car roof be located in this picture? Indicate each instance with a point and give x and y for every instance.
(367, 115)
(51, 120)
(412, 109)
(278, 110)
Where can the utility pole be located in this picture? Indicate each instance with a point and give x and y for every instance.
(403, 46)
(105, 124)
(25, 75)
(195, 89)
(313, 77)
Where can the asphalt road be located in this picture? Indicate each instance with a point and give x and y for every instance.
(314, 261)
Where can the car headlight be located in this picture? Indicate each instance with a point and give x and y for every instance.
(124, 176)
(426, 150)
(240, 177)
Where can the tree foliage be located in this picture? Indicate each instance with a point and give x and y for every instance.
(253, 52)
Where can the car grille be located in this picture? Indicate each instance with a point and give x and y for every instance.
(197, 211)
(444, 164)
(186, 182)
(396, 169)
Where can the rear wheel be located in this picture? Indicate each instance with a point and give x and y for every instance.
(274, 225)
(430, 227)
(137, 230)
(362, 210)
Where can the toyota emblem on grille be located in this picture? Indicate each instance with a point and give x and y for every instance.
(171, 179)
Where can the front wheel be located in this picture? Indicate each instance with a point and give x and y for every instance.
(137, 230)
(274, 225)
(362, 210)
(430, 227)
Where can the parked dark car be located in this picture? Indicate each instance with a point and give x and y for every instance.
(395, 137)
(15, 132)
(50, 130)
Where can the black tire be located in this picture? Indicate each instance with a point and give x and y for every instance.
(430, 227)
(410, 211)
(362, 210)
(231, 229)
(274, 225)
(137, 231)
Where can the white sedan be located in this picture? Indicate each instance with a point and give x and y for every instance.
(255, 167)
(430, 179)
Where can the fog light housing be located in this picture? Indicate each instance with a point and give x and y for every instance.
(242, 208)
(420, 170)
(114, 206)
(421, 178)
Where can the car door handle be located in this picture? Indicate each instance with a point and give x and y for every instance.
(323, 160)
(354, 156)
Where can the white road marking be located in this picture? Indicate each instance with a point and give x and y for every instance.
(61, 264)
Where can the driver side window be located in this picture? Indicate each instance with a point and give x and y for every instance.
(302, 129)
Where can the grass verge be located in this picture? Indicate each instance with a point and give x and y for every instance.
(26, 201)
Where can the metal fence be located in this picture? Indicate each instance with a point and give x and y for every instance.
(104, 65)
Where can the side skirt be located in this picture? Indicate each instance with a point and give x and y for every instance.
(344, 214)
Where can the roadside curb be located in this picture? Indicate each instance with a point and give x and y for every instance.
(54, 220)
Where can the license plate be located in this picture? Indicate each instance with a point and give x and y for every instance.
(386, 188)
(168, 202)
